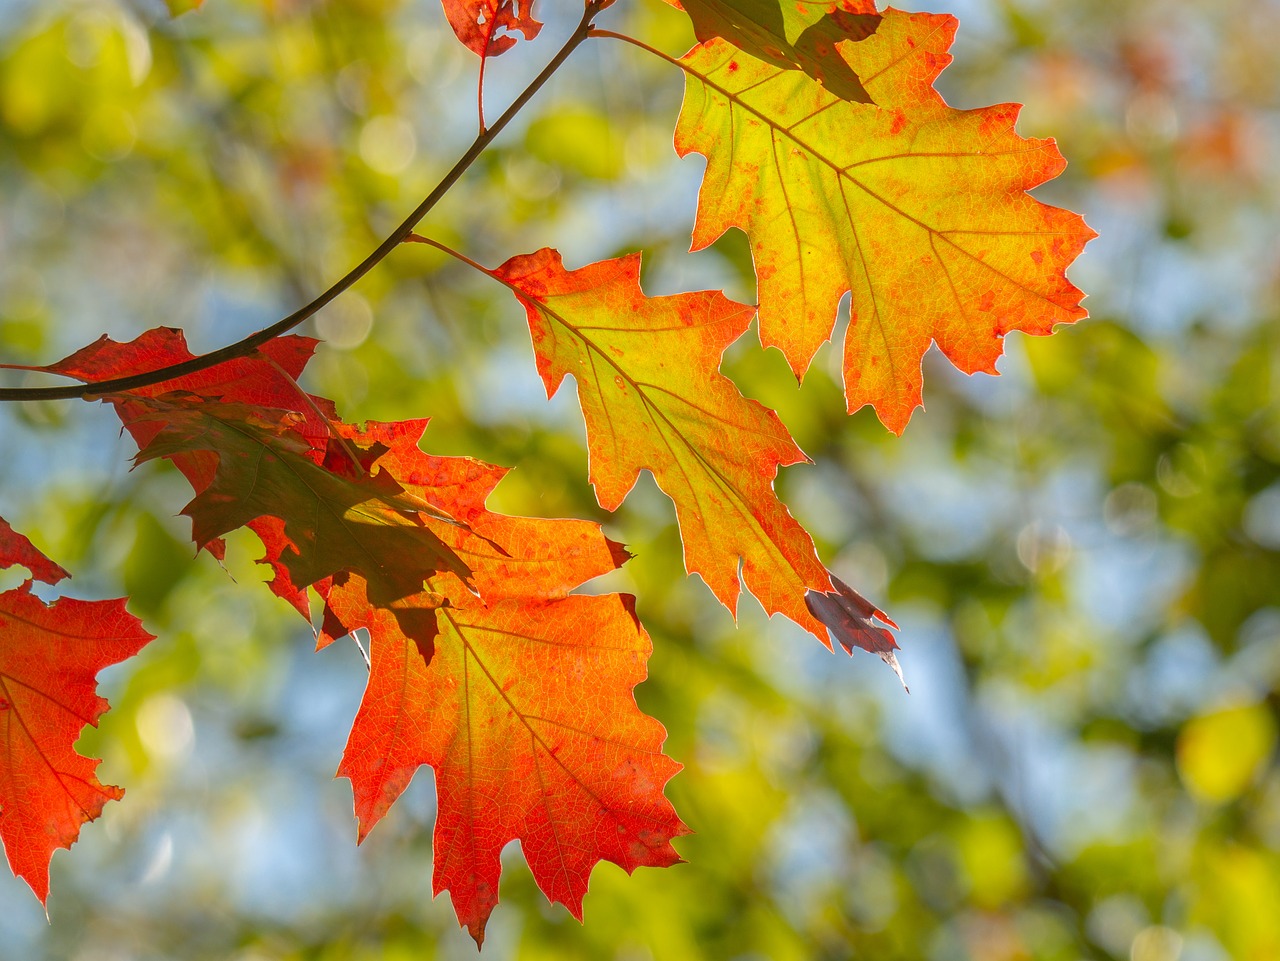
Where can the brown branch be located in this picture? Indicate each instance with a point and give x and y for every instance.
(242, 348)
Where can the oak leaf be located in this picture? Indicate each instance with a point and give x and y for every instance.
(523, 707)
(50, 655)
(918, 208)
(653, 398)
(266, 378)
(326, 522)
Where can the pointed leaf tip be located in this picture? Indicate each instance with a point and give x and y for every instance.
(851, 619)
(15, 548)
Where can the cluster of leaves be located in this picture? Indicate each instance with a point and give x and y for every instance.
(827, 144)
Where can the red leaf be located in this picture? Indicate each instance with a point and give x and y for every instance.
(16, 549)
(478, 23)
(49, 659)
(524, 707)
(266, 378)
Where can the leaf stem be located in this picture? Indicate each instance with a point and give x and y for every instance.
(613, 35)
(248, 345)
(456, 255)
(480, 93)
(463, 258)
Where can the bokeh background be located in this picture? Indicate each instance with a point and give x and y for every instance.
(1084, 553)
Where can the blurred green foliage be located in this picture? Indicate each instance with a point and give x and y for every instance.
(1084, 553)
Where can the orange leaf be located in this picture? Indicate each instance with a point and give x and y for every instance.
(920, 209)
(653, 398)
(327, 522)
(524, 707)
(49, 658)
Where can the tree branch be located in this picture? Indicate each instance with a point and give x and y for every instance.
(248, 345)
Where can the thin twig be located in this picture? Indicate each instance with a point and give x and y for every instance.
(463, 258)
(612, 35)
(242, 348)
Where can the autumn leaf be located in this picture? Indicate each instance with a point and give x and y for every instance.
(49, 659)
(653, 398)
(524, 706)
(791, 35)
(265, 378)
(535, 558)
(851, 618)
(15, 548)
(920, 209)
(327, 522)
(488, 27)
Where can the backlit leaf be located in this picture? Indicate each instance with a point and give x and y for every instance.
(488, 27)
(327, 522)
(918, 208)
(50, 655)
(524, 707)
(653, 398)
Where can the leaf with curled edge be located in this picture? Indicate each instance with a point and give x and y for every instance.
(327, 522)
(851, 618)
(791, 35)
(918, 208)
(653, 398)
(523, 706)
(50, 655)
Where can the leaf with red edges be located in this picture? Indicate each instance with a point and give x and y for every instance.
(920, 209)
(49, 659)
(266, 378)
(524, 705)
